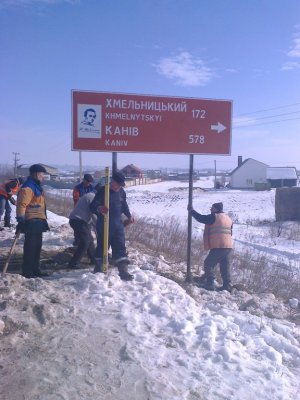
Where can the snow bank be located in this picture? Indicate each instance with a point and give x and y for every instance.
(85, 336)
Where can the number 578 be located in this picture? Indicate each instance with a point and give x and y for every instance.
(194, 139)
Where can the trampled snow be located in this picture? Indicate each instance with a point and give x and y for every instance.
(78, 335)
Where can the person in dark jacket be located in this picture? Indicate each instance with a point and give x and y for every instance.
(83, 188)
(32, 220)
(117, 206)
(217, 239)
(7, 191)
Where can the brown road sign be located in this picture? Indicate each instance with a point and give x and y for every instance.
(118, 122)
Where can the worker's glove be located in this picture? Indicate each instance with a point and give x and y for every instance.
(102, 210)
(190, 208)
(128, 221)
(12, 200)
(21, 224)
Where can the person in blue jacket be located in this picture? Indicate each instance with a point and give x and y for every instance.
(83, 188)
(117, 206)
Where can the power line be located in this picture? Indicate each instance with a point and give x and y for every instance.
(265, 123)
(268, 109)
(272, 116)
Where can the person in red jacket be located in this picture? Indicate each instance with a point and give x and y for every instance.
(7, 190)
(217, 239)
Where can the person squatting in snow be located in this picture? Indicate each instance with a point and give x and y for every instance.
(81, 220)
(217, 239)
(80, 190)
(32, 220)
(7, 191)
(116, 236)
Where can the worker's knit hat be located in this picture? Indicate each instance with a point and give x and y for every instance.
(88, 178)
(218, 207)
(119, 177)
(37, 168)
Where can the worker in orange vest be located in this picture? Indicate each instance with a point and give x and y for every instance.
(217, 239)
(32, 220)
(7, 190)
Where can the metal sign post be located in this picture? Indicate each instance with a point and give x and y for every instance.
(106, 222)
(114, 162)
(80, 166)
(190, 204)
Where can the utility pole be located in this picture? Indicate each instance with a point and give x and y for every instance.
(16, 159)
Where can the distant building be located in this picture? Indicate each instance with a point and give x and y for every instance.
(180, 176)
(253, 174)
(98, 174)
(154, 173)
(282, 176)
(248, 173)
(23, 170)
(131, 171)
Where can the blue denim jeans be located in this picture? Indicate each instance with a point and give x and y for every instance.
(5, 206)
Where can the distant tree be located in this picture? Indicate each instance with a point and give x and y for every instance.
(6, 172)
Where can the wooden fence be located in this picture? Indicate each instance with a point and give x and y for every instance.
(141, 181)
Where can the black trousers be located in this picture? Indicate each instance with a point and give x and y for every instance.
(83, 234)
(222, 257)
(32, 252)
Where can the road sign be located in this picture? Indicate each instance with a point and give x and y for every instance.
(118, 122)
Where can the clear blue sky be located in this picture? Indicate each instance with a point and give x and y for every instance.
(244, 51)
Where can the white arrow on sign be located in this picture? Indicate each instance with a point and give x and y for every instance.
(218, 127)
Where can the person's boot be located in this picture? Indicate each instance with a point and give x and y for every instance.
(98, 265)
(34, 274)
(123, 271)
(210, 284)
(28, 274)
(73, 265)
(200, 281)
(7, 223)
(92, 261)
(226, 286)
(40, 274)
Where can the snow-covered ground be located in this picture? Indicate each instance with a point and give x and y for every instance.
(76, 335)
(253, 213)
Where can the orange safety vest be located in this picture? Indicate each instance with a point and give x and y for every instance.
(30, 205)
(13, 190)
(218, 234)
